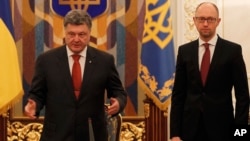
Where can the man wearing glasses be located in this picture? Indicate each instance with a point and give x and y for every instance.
(207, 70)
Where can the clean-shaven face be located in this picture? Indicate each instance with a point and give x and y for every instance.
(77, 37)
(206, 21)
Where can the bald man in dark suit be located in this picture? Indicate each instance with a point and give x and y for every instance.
(202, 109)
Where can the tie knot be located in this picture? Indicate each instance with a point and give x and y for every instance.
(206, 45)
(76, 57)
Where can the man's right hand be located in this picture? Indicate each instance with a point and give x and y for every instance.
(30, 109)
(176, 139)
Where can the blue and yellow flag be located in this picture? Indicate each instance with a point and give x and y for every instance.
(157, 66)
(10, 78)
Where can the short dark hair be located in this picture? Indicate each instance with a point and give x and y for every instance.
(77, 17)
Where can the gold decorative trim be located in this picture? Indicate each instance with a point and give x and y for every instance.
(21, 132)
(165, 113)
(132, 132)
(32, 131)
(146, 110)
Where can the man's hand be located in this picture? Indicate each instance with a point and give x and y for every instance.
(114, 106)
(30, 109)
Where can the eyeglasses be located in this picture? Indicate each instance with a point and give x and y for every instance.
(203, 19)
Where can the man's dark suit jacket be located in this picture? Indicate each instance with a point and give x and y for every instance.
(66, 119)
(214, 100)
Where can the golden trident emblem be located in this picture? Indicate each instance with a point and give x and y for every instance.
(152, 28)
(79, 4)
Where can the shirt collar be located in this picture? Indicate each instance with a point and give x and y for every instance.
(82, 53)
(211, 42)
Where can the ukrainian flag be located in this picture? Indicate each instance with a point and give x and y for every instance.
(10, 80)
(157, 62)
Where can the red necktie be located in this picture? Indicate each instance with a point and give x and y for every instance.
(205, 63)
(76, 75)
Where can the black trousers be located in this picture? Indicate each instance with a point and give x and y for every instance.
(201, 134)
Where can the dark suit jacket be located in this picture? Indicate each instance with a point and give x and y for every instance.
(191, 99)
(66, 119)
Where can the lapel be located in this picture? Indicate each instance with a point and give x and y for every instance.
(63, 64)
(216, 57)
(194, 51)
(217, 54)
(89, 68)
